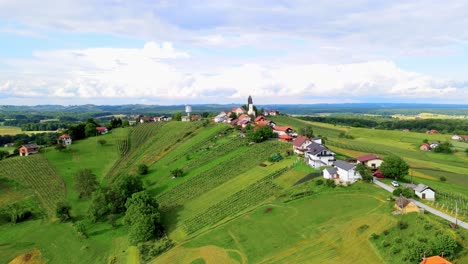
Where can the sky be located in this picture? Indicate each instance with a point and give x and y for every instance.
(280, 52)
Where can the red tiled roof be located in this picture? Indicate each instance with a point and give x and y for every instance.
(435, 260)
(367, 157)
(263, 123)
(64, 136)
(299, 141)
(285, 137)
(282, 128)
(101, 128)
(259, 118)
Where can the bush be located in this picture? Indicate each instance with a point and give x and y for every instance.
(363, 228)
(386, 232)
(374, 236)
(102, 142)
(330, 183)
(398, 240)
(142, 169)
(319, 182)
(80, 228)
(443, 179)
(152, 249)
(177, 173)
(427, 226)
(386, 243)
(63, 211)
(395, 250)
(402, 225)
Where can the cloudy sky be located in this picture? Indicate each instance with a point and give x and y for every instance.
(165, 52)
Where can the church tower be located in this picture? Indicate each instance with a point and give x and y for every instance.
(250, 104)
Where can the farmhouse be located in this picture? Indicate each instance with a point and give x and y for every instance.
(317, 140)
(195, 117)
(102, 130)
(434, 144)
(424, 192)
(425, 147)
(432, 131)
(244, 117)
(286, 138)
(27, 149)
(370, 160)
(405, 206)
(238, 110)
(221, 117)
(282, 130)
(317, 155)
(435, 260)
(456, 137)
(300, 144)
(259, 118)
(460, 137)
(342, 171)
(271, 113)
(64, 139)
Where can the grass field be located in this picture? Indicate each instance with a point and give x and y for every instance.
(9, 130)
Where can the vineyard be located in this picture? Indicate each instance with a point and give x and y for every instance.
(449, 202)
(244, 159)
(36, 173)
(243, 199)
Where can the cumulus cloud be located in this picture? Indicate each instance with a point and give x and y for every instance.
(154, 72)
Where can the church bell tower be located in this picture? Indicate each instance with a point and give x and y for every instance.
(250, 104)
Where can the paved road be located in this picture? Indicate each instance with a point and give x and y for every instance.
(425, 207)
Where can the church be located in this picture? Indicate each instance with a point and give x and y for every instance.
(250, 105)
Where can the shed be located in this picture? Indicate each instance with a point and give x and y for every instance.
(27, 149)
(405, 205)
(424, 192)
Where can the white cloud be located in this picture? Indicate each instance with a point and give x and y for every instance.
(154, 73)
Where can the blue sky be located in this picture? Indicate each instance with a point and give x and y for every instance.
(166, 52)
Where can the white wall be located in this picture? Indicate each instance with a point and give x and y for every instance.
(430, 194)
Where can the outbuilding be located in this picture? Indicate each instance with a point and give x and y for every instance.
(27, 149)
(424, 192)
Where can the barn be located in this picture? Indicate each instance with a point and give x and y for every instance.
(27, 149)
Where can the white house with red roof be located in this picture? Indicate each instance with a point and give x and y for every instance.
(238, 110)
(300, 144)
(102, 130)
(64, 139)
(282, 130)
(370, 160)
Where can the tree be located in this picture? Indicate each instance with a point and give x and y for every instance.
(142, 169)
(60, 147)
(80, 228)
(205, 114)
(62, 211)
(4, 154)
(143, 217)
(444, 147)
(85, 182)
(233, 115)
(406, 192)
(365, 172)
(177, 173)
(260, 134)
(102, 142)
(177, 116)
(307, 131)
(394, 167)
(125, 123)
(90, 130)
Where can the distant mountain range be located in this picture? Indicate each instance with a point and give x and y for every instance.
(375, 108)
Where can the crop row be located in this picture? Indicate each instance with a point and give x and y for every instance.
(249, 157)
(36, 173)
(356, 147)
(241, 200)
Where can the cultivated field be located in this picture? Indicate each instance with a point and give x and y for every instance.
(9, 130)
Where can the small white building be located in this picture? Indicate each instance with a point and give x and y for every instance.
(342, 171)
(220, 117)
(185, 118)
(102, 130)
(64, 139)
(456, 137)
(317, 140)
(370, 160)
(424, 192)
(317, 155)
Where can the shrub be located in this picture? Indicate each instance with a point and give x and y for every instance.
(386, 232)
(152, 249)
(102, 142)
(177, 173)
(63, 211)
(395, 250)
(398, 240)
(363, 228)
(319, 182)
(402, 225)
(80, 228)
(427, 226)
(330, 183)
(374, 236)
(142, 169)
(443, 179)
(386, 243)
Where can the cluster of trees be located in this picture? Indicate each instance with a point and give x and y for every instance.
(260, 134)
(394, 167)
(39, 138)
(83, 130)
(457, 126)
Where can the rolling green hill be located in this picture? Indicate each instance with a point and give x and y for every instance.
(230, 205)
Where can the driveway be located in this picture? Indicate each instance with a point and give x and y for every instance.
(421, 205)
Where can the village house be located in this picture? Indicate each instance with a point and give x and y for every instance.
(434, 144)
(370, 160)
(270, 113)
(132, 122)
(424, 192)
(405, 130)
(195, 117)
(221, 117)
(185, 118)
(282, 130)
(342, 171)
(425, 147)
(317, 155)
(259, 119)
(286, 138)
(238, 110)
(244, 117)
(404, 205)
(64, 139)
(317, 140)
(432, 131)
(102, 130)
(300, 144)
(459, 137)
(435, 260)
(27, 149)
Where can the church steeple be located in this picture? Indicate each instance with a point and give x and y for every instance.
(249, 101)
(250, 105)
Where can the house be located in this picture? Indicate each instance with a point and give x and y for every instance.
(243, 123)
(370, 160)
(434, 144)
(456, 137)
(435, 260)
(238, 110)
(132, 122)
(405, 206)
(102, 130)
(244, 117)
(432, 131)
(300, 144)
(259, 118)
(263, 123)
(273, 112)
(9, 145)
(195, 117)
(317, 155)
(185, 118)
(146, 119)
(317, 140)
(220, 117)
(27, 149)
(161, 118)
(342, 171)
(424, 192)
(282, 130)
(425, 146)
(64, 139)
(405, 130)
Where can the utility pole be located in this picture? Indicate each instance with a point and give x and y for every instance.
(456, 214)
